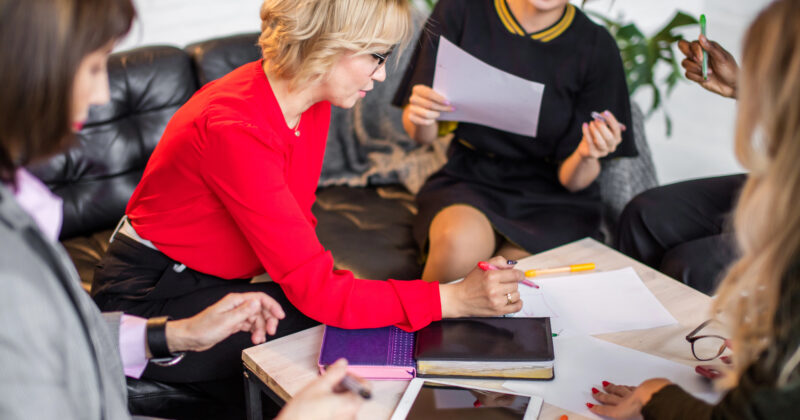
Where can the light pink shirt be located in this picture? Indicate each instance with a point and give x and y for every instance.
(46, 209)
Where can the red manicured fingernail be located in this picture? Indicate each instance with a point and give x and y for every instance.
(477, 404)
(590, 405)
(606, 383)
(595, 390)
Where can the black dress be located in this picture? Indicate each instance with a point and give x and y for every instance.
(513, 179)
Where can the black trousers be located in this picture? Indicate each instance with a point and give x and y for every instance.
(141, 281)
(683, 229)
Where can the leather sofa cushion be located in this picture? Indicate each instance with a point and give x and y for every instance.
(217, 57)
(97, 176)
(85, 252)
(368, 230)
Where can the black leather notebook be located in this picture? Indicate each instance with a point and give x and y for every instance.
(511, 348)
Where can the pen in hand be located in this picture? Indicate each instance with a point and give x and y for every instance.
(598, 116)
(485, 266)
(352, 384)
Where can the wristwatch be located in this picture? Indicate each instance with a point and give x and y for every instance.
(156, 348)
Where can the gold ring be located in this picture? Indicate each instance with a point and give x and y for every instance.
(508, 296)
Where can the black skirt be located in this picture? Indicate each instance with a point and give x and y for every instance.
(522, 198)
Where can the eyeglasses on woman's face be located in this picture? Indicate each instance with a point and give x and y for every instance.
(706, 347)
(381, 60)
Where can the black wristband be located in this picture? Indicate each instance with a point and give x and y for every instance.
(157, 337)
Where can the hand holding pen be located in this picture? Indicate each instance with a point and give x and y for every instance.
(601, 136)
(721, 71)
(351, 384)
(483, 292)
(327, 397)
(483, 265)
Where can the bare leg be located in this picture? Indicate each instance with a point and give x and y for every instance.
(459, 237)
(511, 251)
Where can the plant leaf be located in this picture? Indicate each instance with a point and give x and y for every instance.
(679, 20)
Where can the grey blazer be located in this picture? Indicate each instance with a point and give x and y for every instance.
(59, 356)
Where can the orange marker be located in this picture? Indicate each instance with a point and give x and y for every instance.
(563, 417)
(569, 269)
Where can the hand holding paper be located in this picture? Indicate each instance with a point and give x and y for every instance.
(426, 105)
(485, 95)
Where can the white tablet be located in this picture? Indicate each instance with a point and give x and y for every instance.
(427, 399)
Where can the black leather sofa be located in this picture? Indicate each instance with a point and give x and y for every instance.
(368, 229)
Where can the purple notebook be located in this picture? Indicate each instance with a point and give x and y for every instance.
(372, 353)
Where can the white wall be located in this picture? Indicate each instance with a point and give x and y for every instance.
(701, 143)
(181, 22)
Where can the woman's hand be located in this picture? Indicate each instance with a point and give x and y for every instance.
(322, 399)
(483, 293)
(722, 67)
(600, 138)
(625, 402)
(426, 105)
(424, 108)
(255, 312)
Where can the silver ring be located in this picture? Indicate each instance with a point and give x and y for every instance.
(508, 296)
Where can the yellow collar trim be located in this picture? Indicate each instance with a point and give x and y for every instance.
(546, 35)
(505, 16)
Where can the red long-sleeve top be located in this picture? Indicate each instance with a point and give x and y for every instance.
(228, 192)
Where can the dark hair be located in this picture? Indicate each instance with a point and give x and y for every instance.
(42, 43)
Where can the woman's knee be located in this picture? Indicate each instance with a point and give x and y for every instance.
(460, 228)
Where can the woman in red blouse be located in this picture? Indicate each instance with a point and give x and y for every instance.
(227, 193)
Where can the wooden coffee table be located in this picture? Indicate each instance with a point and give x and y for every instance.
(282, 367)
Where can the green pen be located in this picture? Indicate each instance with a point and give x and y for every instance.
(705, 55)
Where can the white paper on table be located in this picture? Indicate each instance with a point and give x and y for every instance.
(485, 95)
(583, 362)
(595, 303)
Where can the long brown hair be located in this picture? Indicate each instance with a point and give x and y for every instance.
(767, 218)
(42, 43)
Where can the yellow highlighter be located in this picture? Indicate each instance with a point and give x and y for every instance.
(568, 269)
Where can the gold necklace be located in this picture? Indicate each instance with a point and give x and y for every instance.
(296, 126)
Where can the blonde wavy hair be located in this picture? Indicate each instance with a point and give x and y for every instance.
(302, 39)
(767, 217)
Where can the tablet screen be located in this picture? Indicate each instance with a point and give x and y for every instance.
(446, 402)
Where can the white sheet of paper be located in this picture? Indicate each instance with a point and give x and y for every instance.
(595, 303)
(485, 95)
(583, 362)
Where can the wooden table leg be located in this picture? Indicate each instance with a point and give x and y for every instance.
(253, 389)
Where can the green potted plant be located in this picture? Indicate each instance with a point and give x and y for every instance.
(642, 57)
